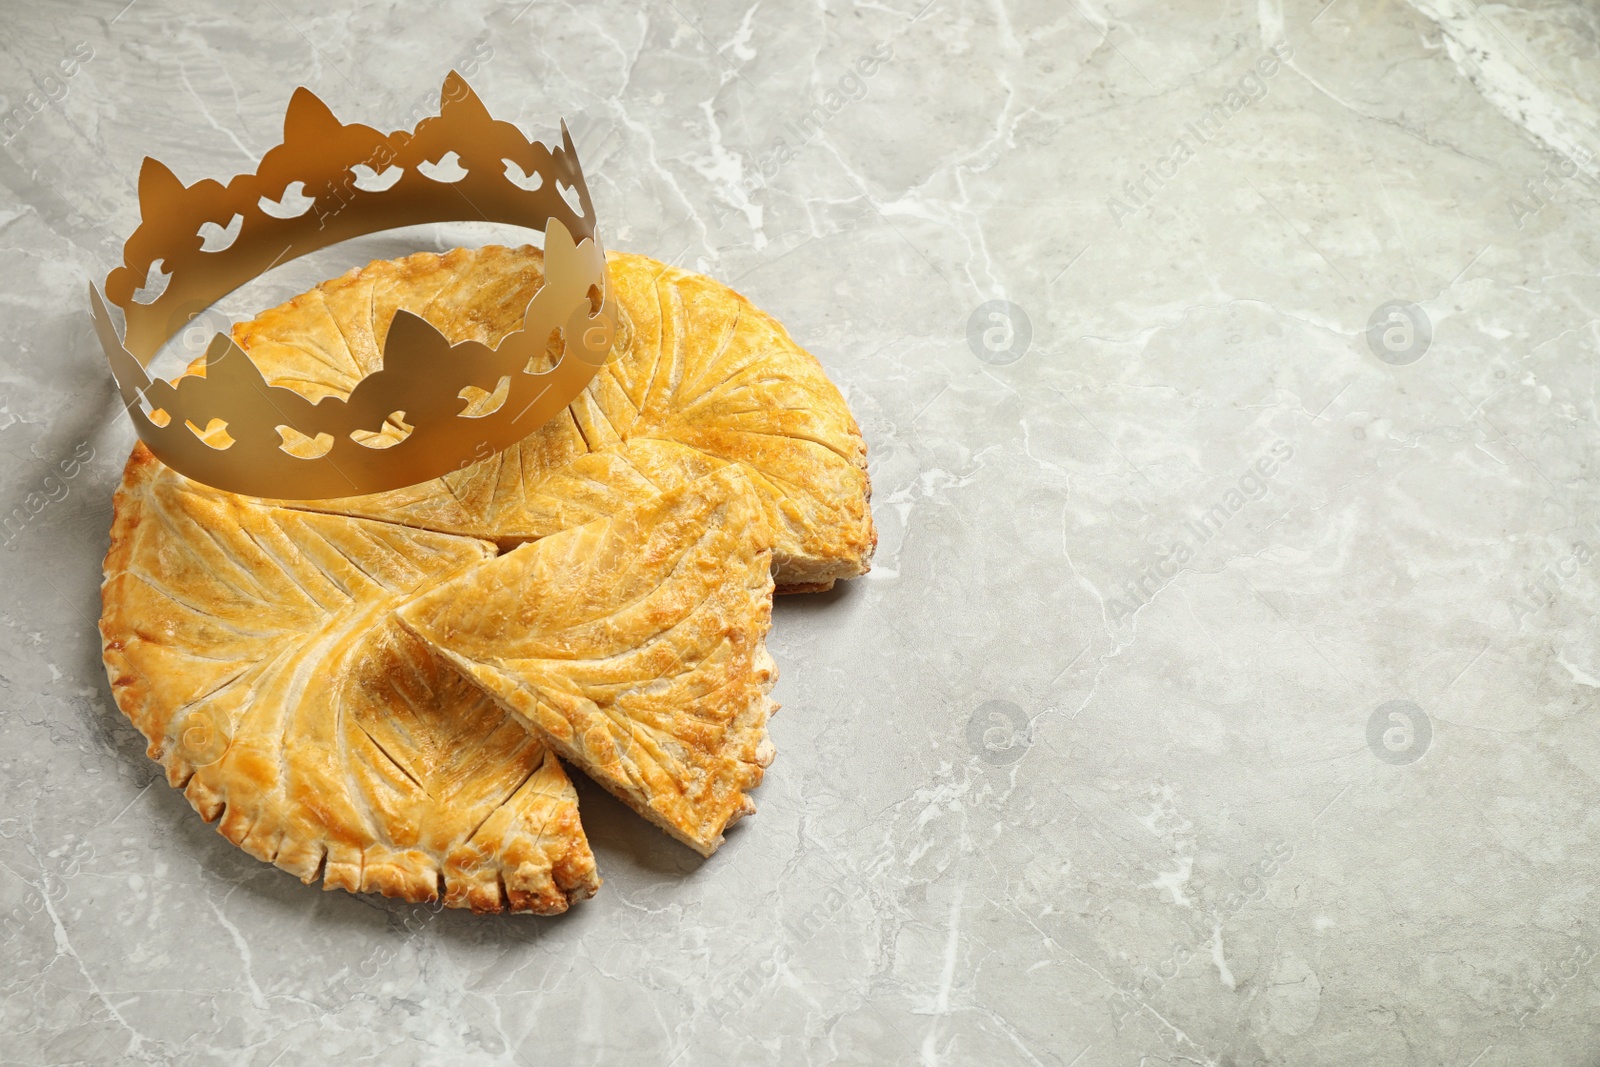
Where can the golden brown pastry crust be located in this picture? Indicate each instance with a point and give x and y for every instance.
(327, 339)
(698, 378)
(257, 646)
(635, 646)
(255, 649)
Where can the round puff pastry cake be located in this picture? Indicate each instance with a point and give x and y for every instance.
(375, 691)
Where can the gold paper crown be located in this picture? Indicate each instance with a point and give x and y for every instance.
(224, 425)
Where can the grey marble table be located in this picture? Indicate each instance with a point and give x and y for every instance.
(1224, 690)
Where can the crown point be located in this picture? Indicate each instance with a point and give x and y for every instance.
(307, 116)
(160, 191)
(456, 92)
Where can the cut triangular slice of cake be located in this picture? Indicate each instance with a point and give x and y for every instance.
(635, 646)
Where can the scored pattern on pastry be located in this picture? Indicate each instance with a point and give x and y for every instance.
(698, 378)
(255, 648)
(635, 645)
(359, 689)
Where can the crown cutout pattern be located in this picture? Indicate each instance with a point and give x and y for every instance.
(432, 407)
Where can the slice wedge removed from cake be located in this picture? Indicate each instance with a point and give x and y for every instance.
(635, 646)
